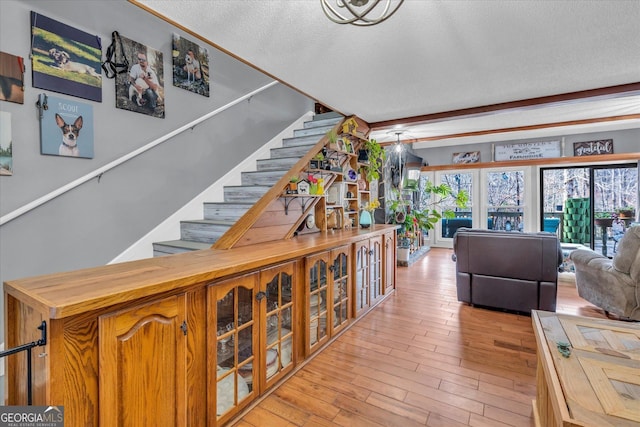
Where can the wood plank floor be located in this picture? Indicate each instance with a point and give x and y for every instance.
(419, 358)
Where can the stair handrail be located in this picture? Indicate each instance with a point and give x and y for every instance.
(101, 170)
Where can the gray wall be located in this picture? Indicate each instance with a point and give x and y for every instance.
(624, 141)
(92, 224)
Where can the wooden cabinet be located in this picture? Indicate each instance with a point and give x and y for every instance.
(156, 334)
(190, 339)
(327, 295)
(251, 337)
(389, 264)
(233, 319)
(368, 287)
(277, 312)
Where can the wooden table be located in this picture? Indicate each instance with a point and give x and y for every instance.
(598, 384)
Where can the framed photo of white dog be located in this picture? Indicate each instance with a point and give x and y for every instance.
(66, 128)
(65, 59)
(190, 66)
(141, 89)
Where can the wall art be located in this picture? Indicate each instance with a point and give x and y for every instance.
(528, 150)
(6, 144)
(591, 148)
(65, 59)
(11, 78)
(142, 88)
(468, 157)
(66, 128)
(190, 66)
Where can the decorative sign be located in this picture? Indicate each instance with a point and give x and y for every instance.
(468, 157)
(590, 148)
(528, 150)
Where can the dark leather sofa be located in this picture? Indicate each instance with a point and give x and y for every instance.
(507, 270)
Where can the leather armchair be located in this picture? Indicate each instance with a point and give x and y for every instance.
(507, 270)
(612, 284)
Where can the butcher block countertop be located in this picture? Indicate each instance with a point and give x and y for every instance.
(75, 292)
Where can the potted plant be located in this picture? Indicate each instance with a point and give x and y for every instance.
(627, 212)
(293, 185)
(372, 156)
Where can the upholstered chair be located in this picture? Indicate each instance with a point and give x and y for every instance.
(612, 284)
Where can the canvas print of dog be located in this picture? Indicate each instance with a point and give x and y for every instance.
(70, 134)
(65, 59)
(190, 66)
(141, 88)
(66, 128)
(11, 78)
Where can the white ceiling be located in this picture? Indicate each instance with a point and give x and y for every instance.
(438, 56)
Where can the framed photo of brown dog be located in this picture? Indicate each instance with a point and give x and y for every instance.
(65, 59)
(190, 66)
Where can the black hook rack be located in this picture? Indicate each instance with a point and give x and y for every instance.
(27, 347)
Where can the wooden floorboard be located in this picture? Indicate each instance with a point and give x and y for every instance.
(420, 358)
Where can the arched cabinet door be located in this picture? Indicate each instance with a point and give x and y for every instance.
(375, 270)
(233, 324)
(277, 331)
(389, 265)
(361, 277)
(143, 365)
(340, 288)
(317, 300)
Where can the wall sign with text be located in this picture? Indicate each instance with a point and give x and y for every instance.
(528, 150)
(591, 148)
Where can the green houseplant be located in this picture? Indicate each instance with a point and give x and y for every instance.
(432, 198)
(371, 157)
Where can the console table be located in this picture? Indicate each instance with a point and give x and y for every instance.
(598, 384)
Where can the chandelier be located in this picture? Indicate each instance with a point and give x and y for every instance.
(362, 13)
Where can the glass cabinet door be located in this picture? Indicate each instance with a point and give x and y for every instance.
(277, 286)
(340, 287)
(375, 269)
(362, 276)
(232, 344)
(317, 286)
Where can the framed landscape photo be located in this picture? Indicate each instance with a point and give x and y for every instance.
(65, 59)
(6, 144)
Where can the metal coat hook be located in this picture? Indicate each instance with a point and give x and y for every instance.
(42, 103)
(100, 177)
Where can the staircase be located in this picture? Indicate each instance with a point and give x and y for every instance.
(219, 217)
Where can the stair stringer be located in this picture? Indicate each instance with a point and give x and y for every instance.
(169, 229)
(264, 221)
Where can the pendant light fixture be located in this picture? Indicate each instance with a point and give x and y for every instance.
(362, 13)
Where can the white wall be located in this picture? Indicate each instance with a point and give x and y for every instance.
(91, 225)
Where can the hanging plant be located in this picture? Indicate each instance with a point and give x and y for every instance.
(375, 156)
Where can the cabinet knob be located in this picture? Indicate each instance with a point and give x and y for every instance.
(260, 296)
(332, 268)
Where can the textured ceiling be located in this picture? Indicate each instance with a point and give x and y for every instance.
(434, 56)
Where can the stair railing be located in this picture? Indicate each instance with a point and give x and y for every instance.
(100, 171)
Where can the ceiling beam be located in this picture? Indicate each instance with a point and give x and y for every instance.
(525, 104)
(516, 129)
